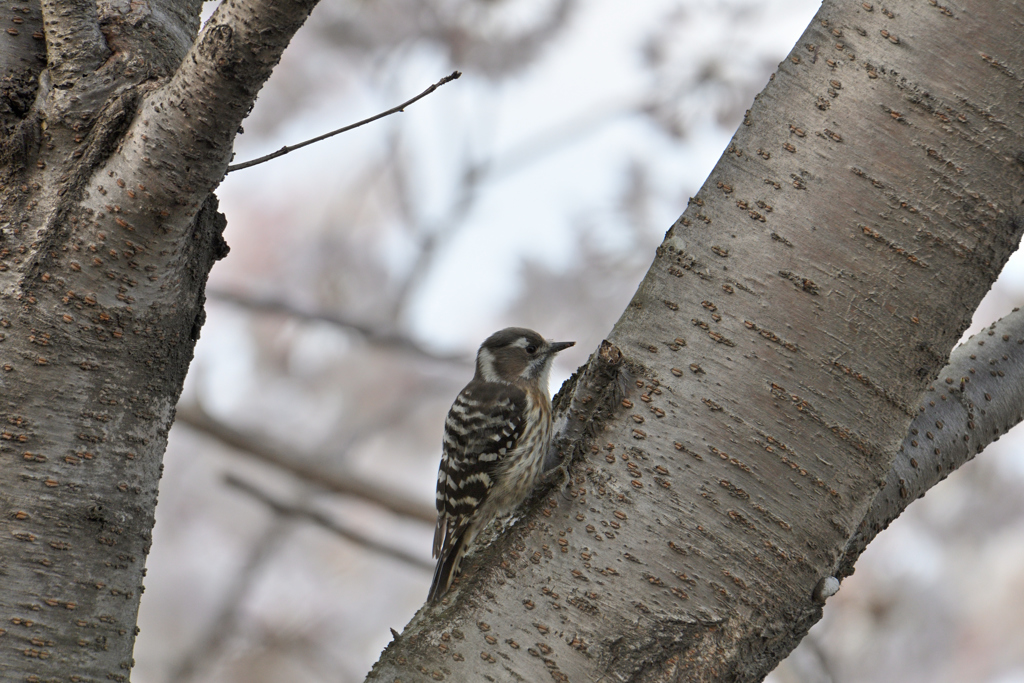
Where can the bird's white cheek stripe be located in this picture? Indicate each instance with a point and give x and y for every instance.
(485, 359)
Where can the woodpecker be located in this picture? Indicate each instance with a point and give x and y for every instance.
(496, 437)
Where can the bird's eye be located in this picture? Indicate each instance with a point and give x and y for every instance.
(531, 349)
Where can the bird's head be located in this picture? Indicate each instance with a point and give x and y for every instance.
(517, 354)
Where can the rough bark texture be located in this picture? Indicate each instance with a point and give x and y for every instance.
(732, 433)
(727, 442)
(22, 57)
(110, 151)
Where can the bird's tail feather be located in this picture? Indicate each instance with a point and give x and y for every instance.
(447, 567)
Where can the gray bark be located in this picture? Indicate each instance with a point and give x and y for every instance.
(976, 399)
(753, 394)
(733, 433)
(110, 150)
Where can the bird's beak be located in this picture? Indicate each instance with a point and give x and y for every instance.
(559, 346)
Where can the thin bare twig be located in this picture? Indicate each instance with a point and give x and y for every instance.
(320, 519)
(394, 110)
(372, 335)
(196, 418)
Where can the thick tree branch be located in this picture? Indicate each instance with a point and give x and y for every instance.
(976, 399)
(74, 44)
(320, 519)
(146, 174)
(109, 232)
(230, 61)
(179, 145)
(260, 448)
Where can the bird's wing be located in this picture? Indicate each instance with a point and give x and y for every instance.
(483, 426)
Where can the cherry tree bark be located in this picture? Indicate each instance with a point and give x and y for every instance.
(728, 447)
(976, 399)
(726, 444)
(117, 123)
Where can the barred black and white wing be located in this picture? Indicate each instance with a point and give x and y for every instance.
(484, 426)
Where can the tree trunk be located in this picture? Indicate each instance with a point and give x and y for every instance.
(111, 148)
(729, 438)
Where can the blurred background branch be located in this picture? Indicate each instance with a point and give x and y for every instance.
(196, 418)
(372, 335)
(212, 641)
(296, 510)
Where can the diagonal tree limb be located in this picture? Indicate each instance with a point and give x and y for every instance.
(393, 501)
(975, 399)
(301, 511)
(170, 149)
(227, 65)
(179, 145)
(770, 371)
